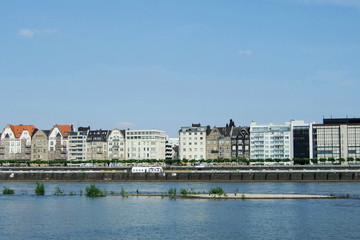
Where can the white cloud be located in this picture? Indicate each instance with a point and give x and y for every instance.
(29, 33)
(246, 52)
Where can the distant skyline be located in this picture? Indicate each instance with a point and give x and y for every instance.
(166, 64)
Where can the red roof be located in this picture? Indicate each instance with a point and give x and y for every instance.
(18, 129)
(64, 129)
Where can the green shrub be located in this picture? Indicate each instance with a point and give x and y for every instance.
(59, 192)
(217, 191)
(184, 192)
(172, 191)
(93, 191)
(40, 189)
(7, 190)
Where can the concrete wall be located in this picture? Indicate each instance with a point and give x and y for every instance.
(198, 176)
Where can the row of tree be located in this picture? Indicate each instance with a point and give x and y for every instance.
(241, 161)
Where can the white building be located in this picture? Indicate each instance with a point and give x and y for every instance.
(145, 144)
(192, 142)
(116, 144)
(16, 142)
(270, 141)
(77, 144)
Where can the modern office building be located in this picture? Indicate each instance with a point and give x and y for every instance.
(301, 140)
(337, 138)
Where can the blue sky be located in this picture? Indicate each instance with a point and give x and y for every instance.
(166, 64)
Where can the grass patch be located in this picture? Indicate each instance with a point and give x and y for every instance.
(217, 191)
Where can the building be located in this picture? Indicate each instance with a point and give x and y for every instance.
(40, 145)
(192, 142)
(96, 145)
(240, 142)
(218, 143)
(116, 145)
(58, 142)
(77, 144)
(301, 140)
(270, 141)
(172, 148)
(337, 138)
(15, 142)
(145, 144)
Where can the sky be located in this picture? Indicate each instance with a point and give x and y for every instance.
(166, 64)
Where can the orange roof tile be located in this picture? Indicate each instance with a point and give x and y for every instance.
(18, 129)
(64, 129)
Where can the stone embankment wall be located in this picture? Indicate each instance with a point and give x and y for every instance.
(193, 176)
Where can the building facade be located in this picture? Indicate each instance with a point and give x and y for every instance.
(270, 141)
(15, 142)
(192, 142)
(145, 144)
(116, 144)
(40, 145)
(58, 142)
(77, 144)
(218, 143)
(337, 138)
(96, 145)
(240, 142)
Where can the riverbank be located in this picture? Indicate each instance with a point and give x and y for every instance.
(241, 196)
(313, 175)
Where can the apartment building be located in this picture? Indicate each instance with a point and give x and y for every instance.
(58, 142)
(116, 144)
(96, 145)
(337, 138)
(40, 145)
(270, 141)
(192, 142)
(240, 142)
(15, 142)
(145, 144)
(218, 143)
(77, 144)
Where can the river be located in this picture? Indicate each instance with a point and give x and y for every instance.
(27, 216)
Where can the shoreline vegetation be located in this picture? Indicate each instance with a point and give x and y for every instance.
(214, 193)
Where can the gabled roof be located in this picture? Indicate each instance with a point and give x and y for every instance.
(18, 129)
(64, 129)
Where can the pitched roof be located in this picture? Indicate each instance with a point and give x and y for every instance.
(65, 129)
(18, 129)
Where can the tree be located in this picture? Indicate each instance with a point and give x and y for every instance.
(231, 123)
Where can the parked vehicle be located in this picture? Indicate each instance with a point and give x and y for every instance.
(147, 169)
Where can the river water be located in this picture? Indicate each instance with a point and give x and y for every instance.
(27, 216)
